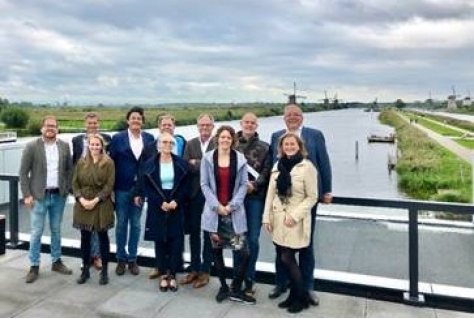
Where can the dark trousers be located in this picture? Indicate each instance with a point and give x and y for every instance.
(254, 207)
(306, 259)
(193, 221)
(239, 274)
(168, 255)
(104, 245)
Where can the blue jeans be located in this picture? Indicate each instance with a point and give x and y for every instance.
(95, 247)
(193, 214)
(127, 213)
(254, 207)
(53, 206)
(306, 262)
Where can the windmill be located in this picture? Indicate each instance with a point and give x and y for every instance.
(292, 97)
(325, 100)
(336, 101)
(429, 100)
(466, 102)
(452, 99)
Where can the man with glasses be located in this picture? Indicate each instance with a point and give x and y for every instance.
(200, 263)
(45, 179)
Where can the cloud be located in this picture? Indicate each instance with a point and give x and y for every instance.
(124, 51)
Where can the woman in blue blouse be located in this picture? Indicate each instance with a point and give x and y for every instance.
(162, 180)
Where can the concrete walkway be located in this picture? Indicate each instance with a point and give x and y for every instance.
(461, 151)
(54, 295)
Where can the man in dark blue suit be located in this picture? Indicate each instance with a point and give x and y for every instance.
(126, 149)
(318, 155)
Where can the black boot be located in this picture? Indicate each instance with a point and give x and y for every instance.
(300, 302)
(287, 303)
(85, 274)
(104, 275)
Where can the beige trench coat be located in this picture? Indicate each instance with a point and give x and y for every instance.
(304, 195)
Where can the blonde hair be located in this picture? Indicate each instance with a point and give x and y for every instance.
(103, 157)
(298, 139)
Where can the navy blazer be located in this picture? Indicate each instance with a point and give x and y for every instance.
(78, 145)
(126, 165)
(317, 153)
(161, 225)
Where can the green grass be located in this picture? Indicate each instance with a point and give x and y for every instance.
(468, 143)
(439, 128)
(426, 170)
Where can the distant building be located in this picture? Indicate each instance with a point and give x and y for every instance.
(452, 102)
(467, 101)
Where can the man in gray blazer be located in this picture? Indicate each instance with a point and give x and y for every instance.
(45, 180)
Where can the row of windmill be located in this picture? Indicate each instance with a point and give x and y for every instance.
(326, 101)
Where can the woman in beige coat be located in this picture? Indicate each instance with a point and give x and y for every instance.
(92, 186)
(292, 192)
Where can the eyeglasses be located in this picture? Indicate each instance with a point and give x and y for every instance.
(168, 142)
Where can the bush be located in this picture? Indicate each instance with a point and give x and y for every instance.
(34, 127)
(14, 117)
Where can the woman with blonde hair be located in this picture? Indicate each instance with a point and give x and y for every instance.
(292, 192)
(92, 186)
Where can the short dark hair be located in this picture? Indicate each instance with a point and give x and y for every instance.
(136, 109)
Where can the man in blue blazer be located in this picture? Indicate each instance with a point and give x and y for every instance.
(126, 150)
(318, 155)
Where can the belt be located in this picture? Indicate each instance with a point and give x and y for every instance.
(51, 191)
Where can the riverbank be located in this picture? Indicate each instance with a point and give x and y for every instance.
(426, 170)
(71, 119)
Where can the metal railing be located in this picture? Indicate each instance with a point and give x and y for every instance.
(412, 296)
(13, 180)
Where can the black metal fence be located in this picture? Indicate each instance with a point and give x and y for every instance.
(412, 296)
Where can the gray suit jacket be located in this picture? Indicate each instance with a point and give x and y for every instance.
(33, 169)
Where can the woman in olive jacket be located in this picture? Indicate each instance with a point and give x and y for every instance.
(92, 186)
(292, 192)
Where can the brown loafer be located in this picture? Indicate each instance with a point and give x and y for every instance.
(97, 263)
(133, 268)
(120, 270)
(154, 273)
(61, 268)
(202, 280)
(32, 274)
(191, 277)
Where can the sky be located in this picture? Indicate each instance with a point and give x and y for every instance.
(233, 51)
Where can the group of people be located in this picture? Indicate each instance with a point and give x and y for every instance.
(220, 190)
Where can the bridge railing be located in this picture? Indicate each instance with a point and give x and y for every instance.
(413, 207)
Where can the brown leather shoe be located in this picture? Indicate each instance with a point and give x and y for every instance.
(97, 262)
(120, 269)
(32, 274)
(133, 268)
(61, 268)
(202, 280)
(154, 273)
(192, 276)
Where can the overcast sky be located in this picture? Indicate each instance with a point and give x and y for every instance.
(158, 51)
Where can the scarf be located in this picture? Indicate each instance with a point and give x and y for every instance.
(283, 182)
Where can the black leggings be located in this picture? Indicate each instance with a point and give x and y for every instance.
(288, 257)
(220, 267)
(86, 246)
